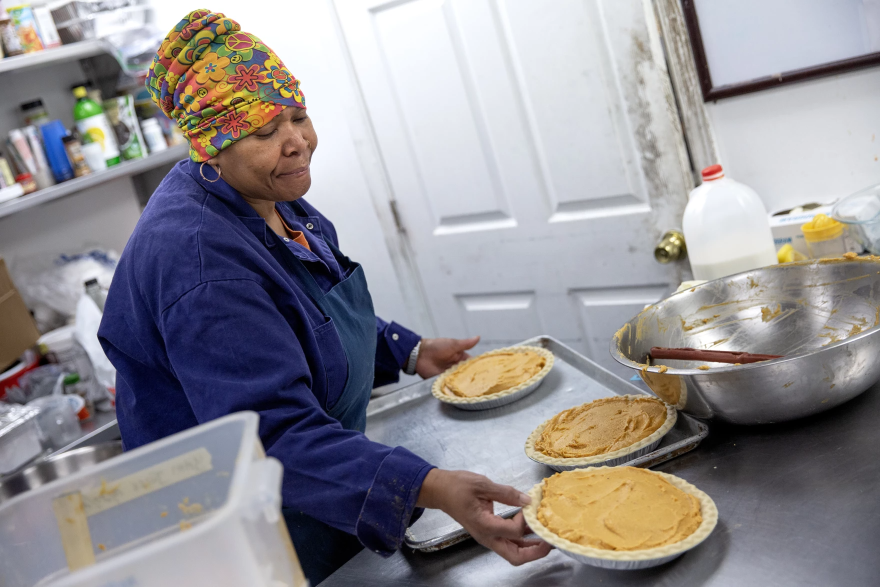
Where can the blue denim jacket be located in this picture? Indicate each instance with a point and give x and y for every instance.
(203, 320)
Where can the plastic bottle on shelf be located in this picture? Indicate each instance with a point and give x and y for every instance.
(43, 175)
(6, 177)
(726, 228)
(20, 149)
(93, 125)
(34, 112)
(94, 156)
(153, 135)
(53, 139)
(75, 155)
(27, 182)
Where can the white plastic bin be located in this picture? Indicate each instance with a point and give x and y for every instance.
(202, 507)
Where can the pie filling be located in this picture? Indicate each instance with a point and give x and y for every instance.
(623, 508)
(601, 426)
(494, 373)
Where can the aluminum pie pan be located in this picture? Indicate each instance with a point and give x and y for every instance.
(632, 559)
(502, 401)
(501, 398)
(14, 416)
(609, 463)
(613, 459)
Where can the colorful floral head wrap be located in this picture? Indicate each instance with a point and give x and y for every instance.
(217, 83)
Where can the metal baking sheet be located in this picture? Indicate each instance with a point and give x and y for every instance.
(491, 442)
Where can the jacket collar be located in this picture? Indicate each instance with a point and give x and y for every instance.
(232, 200)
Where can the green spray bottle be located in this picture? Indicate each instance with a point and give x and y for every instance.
(93, 125)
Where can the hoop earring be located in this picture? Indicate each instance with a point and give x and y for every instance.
(202, 173)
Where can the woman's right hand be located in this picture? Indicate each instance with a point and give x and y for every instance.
(468, 498)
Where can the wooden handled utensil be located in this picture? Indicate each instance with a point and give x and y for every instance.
(659, 352)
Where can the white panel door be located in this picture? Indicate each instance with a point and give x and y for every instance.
(534, 156)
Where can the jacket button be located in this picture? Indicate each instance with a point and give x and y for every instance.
(395, 336)
(287, 240)
(310, 226)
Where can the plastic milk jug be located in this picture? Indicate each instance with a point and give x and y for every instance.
(726, 228)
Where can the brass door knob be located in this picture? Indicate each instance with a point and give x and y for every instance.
(671, 248)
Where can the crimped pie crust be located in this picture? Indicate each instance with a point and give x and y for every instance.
(535, 455)
(440, 382)
(707, 510)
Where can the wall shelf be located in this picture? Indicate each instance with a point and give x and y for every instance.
(61, 54)
(124, 169)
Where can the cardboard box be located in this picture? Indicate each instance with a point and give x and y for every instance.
(18, 332)
(786, 227)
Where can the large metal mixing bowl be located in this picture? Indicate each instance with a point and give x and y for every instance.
(67, 463)
(822, 316)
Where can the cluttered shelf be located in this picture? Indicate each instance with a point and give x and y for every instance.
(124, 169)
(61, 54)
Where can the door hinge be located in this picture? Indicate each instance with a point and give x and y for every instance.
(396, 214)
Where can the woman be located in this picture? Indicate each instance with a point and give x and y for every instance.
(232, 295)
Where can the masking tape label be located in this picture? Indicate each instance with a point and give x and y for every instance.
(110, 494)
(73, 528)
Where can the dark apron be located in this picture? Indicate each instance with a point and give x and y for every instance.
(321, 548)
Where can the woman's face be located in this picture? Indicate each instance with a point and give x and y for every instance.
(273, 163)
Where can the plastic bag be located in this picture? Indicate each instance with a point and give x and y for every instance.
(56, 283)
(40, 382)
(88, 319)
(134, 50)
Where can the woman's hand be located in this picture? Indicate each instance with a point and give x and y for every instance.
(467, 498)
(436, 355)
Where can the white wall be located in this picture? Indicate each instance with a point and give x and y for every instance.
(105, 216)
(811, 141)
(304, 38)
(51, 84)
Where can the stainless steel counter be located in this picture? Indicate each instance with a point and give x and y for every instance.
(799, 505)
(101, 428)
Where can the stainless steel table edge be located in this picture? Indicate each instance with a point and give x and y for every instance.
(101, 428)
(106, 428)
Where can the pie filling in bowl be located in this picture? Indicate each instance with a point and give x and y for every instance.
(601, 431)
(622, 514)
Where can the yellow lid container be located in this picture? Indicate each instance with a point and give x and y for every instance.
(822, 228)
